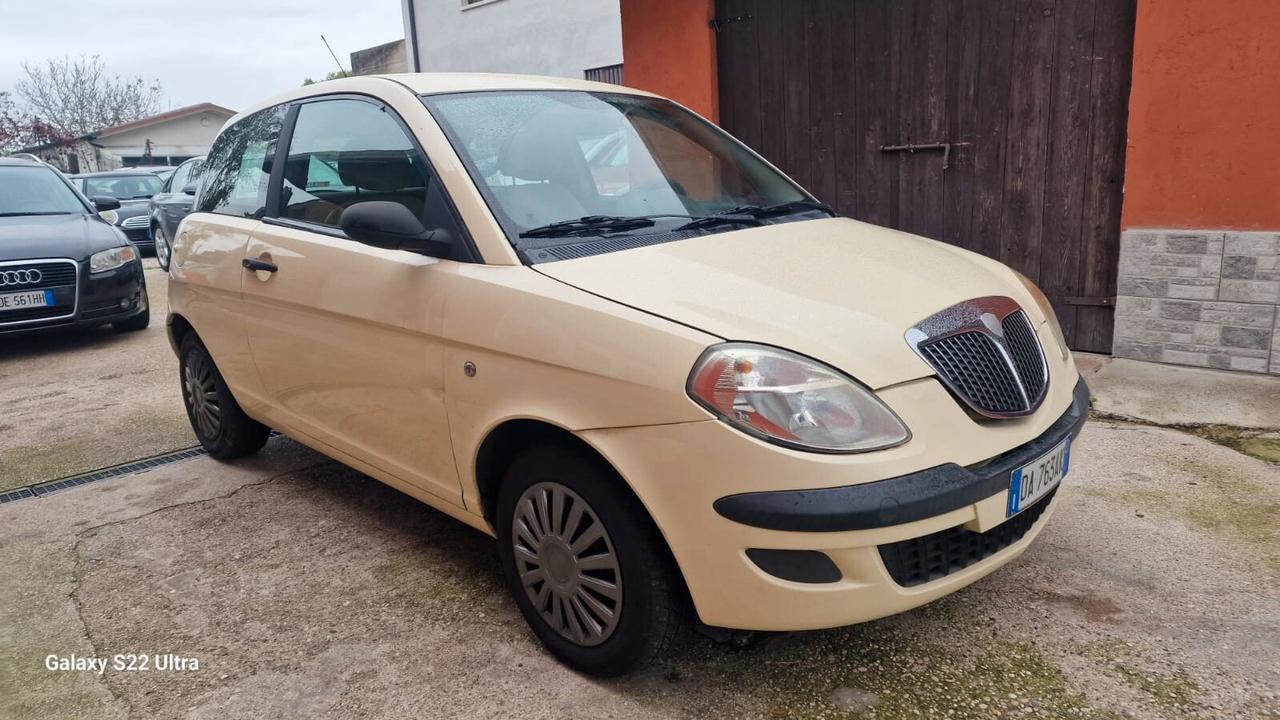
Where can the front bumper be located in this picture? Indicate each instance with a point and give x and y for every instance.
(140, 236)
(88, 300)
(761, 549)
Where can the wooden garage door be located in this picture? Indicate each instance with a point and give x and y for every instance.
(1020, 106)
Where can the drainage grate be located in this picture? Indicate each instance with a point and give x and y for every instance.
(137, 466)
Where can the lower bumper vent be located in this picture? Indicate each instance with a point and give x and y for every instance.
(917, 561)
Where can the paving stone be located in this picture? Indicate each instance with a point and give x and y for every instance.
(1252, 243)
(1246, 338)
(1254, 291)
(1240, 267)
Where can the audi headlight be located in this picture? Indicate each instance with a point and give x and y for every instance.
(110, 216)
(111, 259)
(1047, 309)
(791, 400)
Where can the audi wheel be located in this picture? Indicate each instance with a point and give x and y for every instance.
(220, 425)
(163, 249)
(585, 564)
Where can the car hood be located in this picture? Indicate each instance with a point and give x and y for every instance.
(69, 236)
(130, 208)
(838, 290)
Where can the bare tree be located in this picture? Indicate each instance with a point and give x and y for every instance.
(13, 125)
(70, 97)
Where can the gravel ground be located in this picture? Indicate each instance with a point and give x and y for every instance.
(304, 589)
(77, 401)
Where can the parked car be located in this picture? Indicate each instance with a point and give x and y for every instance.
(133, 188)
(686, 380)
(61, 264)
(171, 204)
(161, 171)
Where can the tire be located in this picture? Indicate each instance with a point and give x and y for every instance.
(163, 250)
(220, 425)
(138, 322)
(647, 614)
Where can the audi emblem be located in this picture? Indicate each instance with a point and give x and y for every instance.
(20, 277)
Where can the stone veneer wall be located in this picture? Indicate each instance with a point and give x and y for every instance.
(1206, 298)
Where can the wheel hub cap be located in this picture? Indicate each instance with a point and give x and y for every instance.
(201, 396)
(567, 564)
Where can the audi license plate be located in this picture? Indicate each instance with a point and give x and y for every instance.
(23, 300)
(1031, 482)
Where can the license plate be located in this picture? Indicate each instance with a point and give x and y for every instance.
(23, 300)
(1031, 482)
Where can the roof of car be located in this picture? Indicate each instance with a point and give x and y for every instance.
(21, 162)
(121, 172)
(435, 83)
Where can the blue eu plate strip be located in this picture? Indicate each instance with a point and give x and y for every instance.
(1015, 491)
(48, 297)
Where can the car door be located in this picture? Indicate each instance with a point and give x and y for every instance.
(207, 257)
(172, 204)
(346, 336)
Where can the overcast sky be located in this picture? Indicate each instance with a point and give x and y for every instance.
(229, 52)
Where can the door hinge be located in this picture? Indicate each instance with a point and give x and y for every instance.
(718, 24)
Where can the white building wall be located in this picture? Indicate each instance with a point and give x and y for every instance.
(184, 136)
(535, 37)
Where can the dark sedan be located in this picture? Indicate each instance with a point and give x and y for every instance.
(61, 264)
(171, 204)
(133, 188)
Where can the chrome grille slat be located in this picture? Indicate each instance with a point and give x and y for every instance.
(987, 353)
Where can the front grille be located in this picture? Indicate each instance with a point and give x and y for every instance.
(57, 275)
(52, 274)
(986, 352)
(137, 221)
(972, 363)
(917, 561)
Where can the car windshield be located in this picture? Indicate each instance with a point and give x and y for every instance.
(568, 164)
(123, 187)
(36, 190)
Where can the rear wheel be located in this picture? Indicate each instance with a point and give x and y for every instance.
(163, 249)
(219, 424)
(585, 564)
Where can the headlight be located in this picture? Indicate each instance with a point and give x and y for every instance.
(111, 259)
(791, 400)
(110, 216)
(1047, 308)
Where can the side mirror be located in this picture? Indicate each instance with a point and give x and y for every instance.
(393, 226)
(189, 189)
(105, 202)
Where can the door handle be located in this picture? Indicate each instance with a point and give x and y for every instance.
(255, 264)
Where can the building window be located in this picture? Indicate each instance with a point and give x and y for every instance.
(606, 74)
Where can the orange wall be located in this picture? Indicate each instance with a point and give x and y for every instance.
(1204, 115)
(669, 48)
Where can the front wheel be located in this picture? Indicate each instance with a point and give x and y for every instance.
(220, 425)
(585, 563)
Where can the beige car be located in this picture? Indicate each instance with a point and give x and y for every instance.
(584, 320)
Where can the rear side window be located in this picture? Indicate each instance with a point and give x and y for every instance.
(237, 170)
(185, 175)
(347, 151)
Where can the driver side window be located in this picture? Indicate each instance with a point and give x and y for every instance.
(347, 151)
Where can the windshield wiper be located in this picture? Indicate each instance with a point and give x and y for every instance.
(37, 212)
(786, 208)
(596, 223)
(754, 214)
